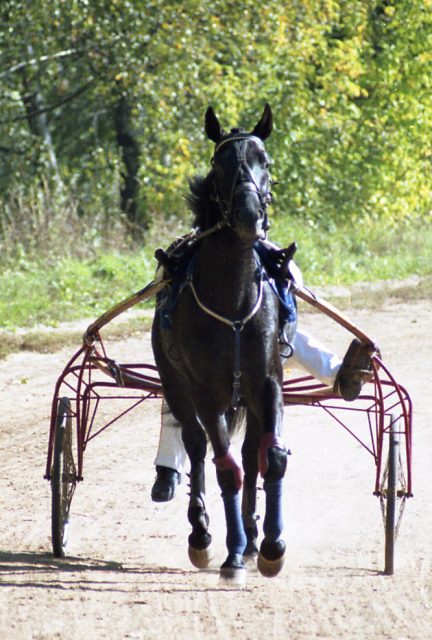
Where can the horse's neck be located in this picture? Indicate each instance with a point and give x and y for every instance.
(225, 273)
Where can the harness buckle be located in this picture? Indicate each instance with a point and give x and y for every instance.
(238, 325)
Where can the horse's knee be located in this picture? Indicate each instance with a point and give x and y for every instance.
(273, 458)
(277, 464)
(229, 473)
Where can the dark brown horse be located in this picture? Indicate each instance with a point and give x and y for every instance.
(221, 351)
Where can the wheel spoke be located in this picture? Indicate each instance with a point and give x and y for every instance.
(63, 477)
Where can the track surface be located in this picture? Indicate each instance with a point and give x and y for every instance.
(127, 574)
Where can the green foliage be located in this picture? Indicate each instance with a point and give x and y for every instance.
(33, 293)
(349, 83)
(350, 87)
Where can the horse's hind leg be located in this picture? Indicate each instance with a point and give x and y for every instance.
(200, 539)
(272, 464)
(194, 439)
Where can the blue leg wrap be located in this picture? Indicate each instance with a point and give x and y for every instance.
(273, 523)
(236, 537)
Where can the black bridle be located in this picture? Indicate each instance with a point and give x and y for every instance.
(227, 205)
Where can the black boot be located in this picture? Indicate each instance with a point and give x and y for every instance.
(356, 369)
(165, 484)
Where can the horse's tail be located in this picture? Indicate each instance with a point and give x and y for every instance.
(236, 419)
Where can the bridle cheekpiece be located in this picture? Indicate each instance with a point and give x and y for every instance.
(240, 142)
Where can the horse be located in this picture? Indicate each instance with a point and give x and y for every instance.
(219, 358)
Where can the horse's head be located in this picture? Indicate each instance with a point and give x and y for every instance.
(240, 175)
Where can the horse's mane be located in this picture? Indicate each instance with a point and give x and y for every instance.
(199, 199)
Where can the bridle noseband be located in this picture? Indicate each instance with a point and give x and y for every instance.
(227, 205)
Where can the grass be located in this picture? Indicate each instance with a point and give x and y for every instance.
(49, 291)
(39, 293)
(362, 251)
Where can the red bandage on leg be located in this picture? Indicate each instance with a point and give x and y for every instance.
(268, 440)
(229, 463)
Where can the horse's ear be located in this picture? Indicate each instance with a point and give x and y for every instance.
(264, 127)
(212, 127)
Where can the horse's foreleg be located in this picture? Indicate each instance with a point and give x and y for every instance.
(273, 461)
(229, 475)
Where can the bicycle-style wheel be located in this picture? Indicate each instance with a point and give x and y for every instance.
(389, 495)
(63, 478)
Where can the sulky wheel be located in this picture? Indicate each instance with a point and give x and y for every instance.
(63, 478)
(389, 493)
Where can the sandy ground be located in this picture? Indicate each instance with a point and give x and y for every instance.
(127, 574)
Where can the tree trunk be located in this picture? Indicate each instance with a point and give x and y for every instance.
(130, 153)
(38, 123)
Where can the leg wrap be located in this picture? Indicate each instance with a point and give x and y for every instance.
(272, 458)
(236, 538)
(273, 524)
(229, 473)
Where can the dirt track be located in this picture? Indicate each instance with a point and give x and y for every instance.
(127, 574)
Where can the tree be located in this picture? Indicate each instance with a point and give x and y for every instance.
(111, 94)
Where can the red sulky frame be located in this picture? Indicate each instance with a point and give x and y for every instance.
(91, 377)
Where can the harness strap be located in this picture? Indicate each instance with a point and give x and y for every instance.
(227, 321)
(237, 326)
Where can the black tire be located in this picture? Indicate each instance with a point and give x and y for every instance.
(63, 478)
(391, 497)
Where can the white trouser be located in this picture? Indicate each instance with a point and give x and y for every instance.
(171, 452)
(309, 354)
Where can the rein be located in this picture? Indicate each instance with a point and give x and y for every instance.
(237, 326)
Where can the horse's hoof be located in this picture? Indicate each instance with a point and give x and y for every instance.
(269, 568)
(233, 570)
(200, 558)
(271, 558)
(233, 576)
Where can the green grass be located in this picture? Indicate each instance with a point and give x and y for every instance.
(39, 293)
(48, 291)
(360, 251)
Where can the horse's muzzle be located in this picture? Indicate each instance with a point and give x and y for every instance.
(248, 213)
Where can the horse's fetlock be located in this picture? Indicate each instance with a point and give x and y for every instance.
(199, 541)
(197, 514)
